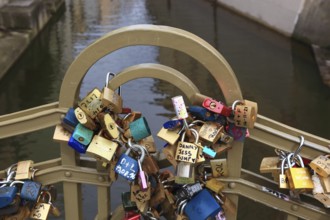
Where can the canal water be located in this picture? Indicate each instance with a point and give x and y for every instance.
(278, 73)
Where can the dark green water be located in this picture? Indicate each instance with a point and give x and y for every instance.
(278, 73)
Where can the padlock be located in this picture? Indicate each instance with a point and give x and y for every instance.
(61, 134)
(84, 119)
(173, 124)
(226, 204)
(140, 197)
(23, 170)
(237, 133)
(82, 134)
(92, 103)
(185, 173)
(158, 196)
(138, 129)
(110, 98)
(170, 136)
(201, 113)
(149, 164)
(41, 209)
(101, 148)
(186, 151)
(30, 190)
(180, 210)
(169, 151)
(7, 195)
(221, 148)
(187, 191)
(22, 213)
(109, 125)
(269, 165)
(210, 131)
(244, 115)
(12, 207)
(128, 204)
(215, 185)
(219, 167)
(149, 144)
(200, 156)
(202, 206)
(130, 117)
(180, 107)
(217, 107)
(79, 147)
(54, 210)
(321, 165)
(126, 166)
(325, 182)
(283, 179)
(299, 177)
(318, 191)
(70, 120)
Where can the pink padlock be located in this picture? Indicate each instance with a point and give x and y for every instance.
(216, 107)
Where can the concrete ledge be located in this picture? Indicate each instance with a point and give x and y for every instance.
(20, 23)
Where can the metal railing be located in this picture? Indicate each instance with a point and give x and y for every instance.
(73, 170)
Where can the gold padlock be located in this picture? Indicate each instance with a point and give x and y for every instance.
(325, 182)
(283, 181)
(299, 177)
(110, 98)
(84, 119)
(109, 125)
(219, 167)
(214, 185)
(92, 104)
(102, 148)
(140, 197)
(269, 165)
(244, 115)
(211, 131)
(61, 134)
(41, 209)
(186, 151)
(170, 136)
(24, 170)
(169, 152)
(321, 165)
(149, 144)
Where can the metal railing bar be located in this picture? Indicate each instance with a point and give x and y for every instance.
(258, 193)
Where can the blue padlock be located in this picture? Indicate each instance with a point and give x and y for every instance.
(7, 195)
(30, 190)
(70, 118)
(139, 129)
(126, 166)
(79, 147)
(201, 113)
(173, 124)
(202, 206)
(82, 134)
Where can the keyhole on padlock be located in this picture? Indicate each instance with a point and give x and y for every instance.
(212, 105)
(80, 116)
(111, 126)
(81, 139)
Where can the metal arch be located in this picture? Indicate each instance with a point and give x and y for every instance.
(152, 35)
(158, 71)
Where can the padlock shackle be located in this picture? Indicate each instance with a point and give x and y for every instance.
(108, 79)
(16, 181)
(139, 147)
(290, 156)
(194, 132)
(302, 140)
